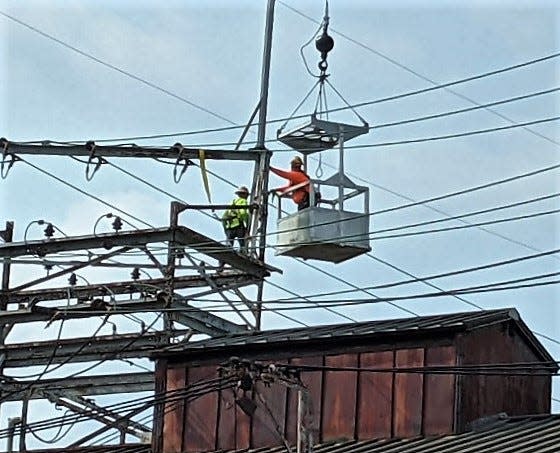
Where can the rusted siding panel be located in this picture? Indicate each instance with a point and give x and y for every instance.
(488, 395)
(243, 424)
(201, 414)
(174, 412)
(313, 381)
(226, 423)
(439, 392)
(407, 408)
(376, 396)
(269, 419)
(339, 398)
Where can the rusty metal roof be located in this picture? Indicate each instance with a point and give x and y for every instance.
(538, 434)
(427, 325)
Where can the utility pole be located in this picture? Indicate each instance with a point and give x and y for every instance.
(264, 160)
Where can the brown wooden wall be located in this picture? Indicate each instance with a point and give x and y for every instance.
(348, 404)
(480, 396)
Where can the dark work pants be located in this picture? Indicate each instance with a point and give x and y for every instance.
(238, 233)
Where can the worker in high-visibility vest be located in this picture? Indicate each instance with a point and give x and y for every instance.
(296, 176)
(236, 221)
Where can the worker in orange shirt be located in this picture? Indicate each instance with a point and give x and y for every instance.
(296, 176)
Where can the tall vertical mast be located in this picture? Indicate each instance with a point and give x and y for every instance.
(264, 161)
(265, 74)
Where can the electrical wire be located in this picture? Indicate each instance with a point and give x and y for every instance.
(458, 135)
(436, 85)
(348, 318)
(462, 299)
(57, 437)
(351, 238)
(496, 369)
(465, 110)
(221, 117)
(138, 405)
(392, 209)
(504, 285)
(433, 276)
(462, 227)
(468, 290)
(507, 180)
(470, 214)
(115, 68)
(376, 126)
(83, 192)
(46, 371)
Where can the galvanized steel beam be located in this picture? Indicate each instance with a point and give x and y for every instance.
(88, 349)
(179, 235)
(88, 292)
(48, 149)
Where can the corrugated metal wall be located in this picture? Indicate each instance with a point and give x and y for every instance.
(352, 404)
(347, 404)
(487, 395)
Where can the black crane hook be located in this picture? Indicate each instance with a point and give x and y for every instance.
(325, 42)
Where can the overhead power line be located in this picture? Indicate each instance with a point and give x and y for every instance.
(218, 305)
(421, 76)
(471, 189)
(462, 227)
(425, 204)
(465, 110)
(417, 140)
(470, 214)
(237, 126)
(375, 126)
(436, 276)
(116, 68)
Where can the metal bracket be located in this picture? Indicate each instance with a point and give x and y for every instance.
(90, 146)
(180, 158)
(8, 158)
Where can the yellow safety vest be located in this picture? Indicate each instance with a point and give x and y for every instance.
(233, 218)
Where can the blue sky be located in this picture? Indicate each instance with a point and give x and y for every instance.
(210, 54)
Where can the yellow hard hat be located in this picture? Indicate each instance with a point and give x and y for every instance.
(242, 190)
(296, 162)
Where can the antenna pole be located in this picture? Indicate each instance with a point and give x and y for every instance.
(264, 158)
(265, 74)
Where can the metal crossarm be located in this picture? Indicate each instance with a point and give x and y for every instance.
(13, 390)
(173, 152)
(109, 347)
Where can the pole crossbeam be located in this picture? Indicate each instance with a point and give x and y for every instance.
(133, 151)
(87, 292)
(179, 235)
(88, 349)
